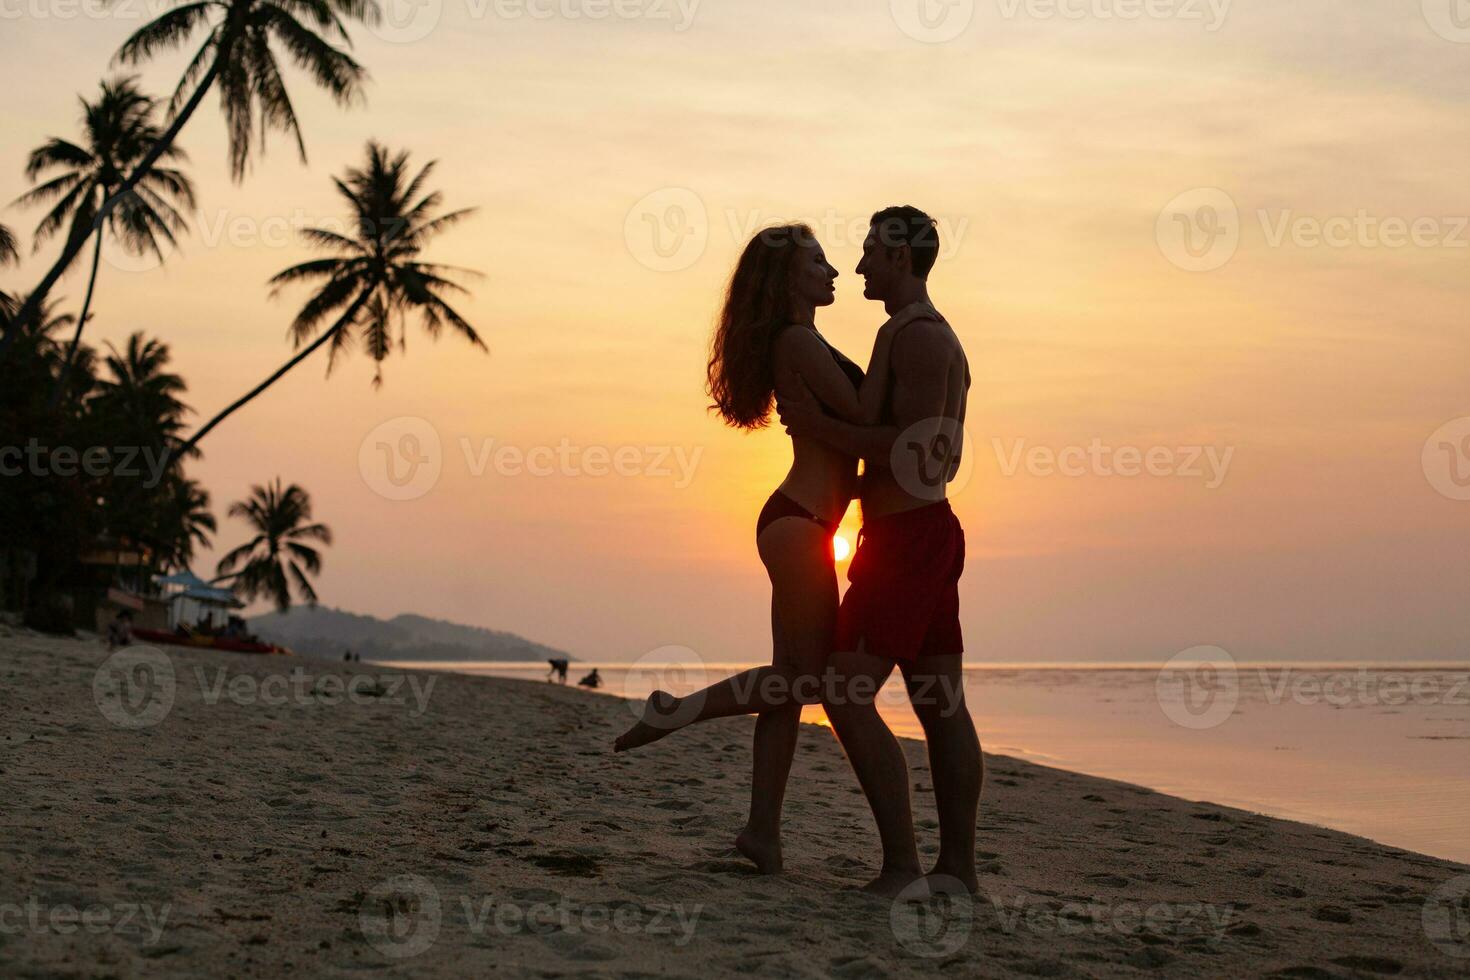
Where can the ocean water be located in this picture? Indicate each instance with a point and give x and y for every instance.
(1383, 752)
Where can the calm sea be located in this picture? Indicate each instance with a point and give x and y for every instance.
(1376, 751)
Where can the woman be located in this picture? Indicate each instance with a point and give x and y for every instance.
(766, 344)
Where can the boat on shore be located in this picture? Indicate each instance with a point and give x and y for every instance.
(208, 642)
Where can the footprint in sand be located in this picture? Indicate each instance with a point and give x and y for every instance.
(577, 948)
(1371, 964)
(566, 863)
(1111, 880)
(722, 868)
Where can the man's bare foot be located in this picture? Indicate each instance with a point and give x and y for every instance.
(656, 722)
(890, 884)
(942, 881)
(763, 852)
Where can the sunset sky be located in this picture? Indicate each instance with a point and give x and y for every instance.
(1060, 154)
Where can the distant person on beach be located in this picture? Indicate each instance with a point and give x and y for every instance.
(766, 346)
(120, 630)
(592, 680)
(558, 669)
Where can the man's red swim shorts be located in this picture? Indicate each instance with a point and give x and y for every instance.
(904, 598)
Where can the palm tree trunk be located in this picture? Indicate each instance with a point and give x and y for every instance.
(172, 456)
(75, 243)
(71, 351)
(302, 355)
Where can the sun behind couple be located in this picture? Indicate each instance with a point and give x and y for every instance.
(902, 608)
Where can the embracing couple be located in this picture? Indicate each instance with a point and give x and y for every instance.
(903, 417)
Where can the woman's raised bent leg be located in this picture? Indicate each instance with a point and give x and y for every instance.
(804, 588)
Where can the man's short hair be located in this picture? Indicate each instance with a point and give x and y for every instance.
(905, 224)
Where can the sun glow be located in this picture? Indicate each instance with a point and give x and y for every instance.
(841, 550)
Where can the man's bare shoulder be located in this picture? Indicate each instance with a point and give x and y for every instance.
(928, 339)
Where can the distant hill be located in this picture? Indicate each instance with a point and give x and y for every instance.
(327, 632)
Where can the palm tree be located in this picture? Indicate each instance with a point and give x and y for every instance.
(141, 400)
(119, 129)
(277, 557)
(376, 278)
(237, 53)
(40, 335)
(138, 404)
(185, 522)
(9, 253)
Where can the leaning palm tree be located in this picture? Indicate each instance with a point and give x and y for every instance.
(119, 129)
(376, 279)
(237, 53)
(278, 557)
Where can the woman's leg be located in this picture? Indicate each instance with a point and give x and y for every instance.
(797, 555)
(774, 747)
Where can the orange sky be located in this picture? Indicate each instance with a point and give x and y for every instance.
(1048, 148)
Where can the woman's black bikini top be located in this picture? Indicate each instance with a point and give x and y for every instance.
(848, 366)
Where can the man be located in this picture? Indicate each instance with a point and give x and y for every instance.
(902, 608)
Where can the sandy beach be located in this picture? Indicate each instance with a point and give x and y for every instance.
(190, 813)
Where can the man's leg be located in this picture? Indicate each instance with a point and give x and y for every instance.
(937, 692)
(850, 694)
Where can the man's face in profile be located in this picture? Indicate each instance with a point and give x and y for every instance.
(879, 267)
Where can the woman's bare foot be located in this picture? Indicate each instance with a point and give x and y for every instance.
(658, 712)
(763, 852)
(890, 884)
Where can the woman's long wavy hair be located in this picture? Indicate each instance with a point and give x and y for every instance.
(741, 375)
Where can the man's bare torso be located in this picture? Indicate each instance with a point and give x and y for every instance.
(928, 452)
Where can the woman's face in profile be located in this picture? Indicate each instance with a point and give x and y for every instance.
(814, 280)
